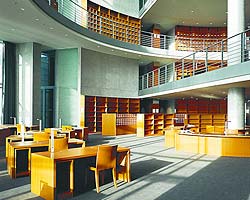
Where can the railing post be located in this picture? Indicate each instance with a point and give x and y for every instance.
(182, 68)
(113, 30)
(159, 75)
(164, 42)
(206, 59)
(242, 47)
(100, 25)
(222, 55)
(193, 64)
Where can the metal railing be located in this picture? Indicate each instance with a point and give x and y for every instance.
(108, 27)
(233, 50)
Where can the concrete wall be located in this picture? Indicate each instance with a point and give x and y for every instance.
(108, 75)
(128, 7)
(67, 93)
(28, 83)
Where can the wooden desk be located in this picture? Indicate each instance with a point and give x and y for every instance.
(18, 154)
(5, 131)
(62, 174)
(218, 145)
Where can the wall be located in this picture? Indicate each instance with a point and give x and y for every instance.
(130, 7)
(67, 93)
(108, 75)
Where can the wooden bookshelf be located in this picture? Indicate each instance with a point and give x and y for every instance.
(205, 120)
(95, 106)
(113, 24)
(118, 124)
(168, 120)
(151, 124)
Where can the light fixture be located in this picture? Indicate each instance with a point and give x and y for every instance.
(22, 9)
(139, 55)
(211, 23)
(183, 22)
(197, 22)
(192, 11)
(37, 19)
(112, 49)
(98, 46)
(12, 29)
(51, 28)
(66, 35)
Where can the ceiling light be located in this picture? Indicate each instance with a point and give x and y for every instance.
(125, 53)
(183, 22)
(37, 19)
(51, 28)
(22, 9)
(112, 49)
(66, 35)
(197, 22)
(98, 46)
(225, 23)
(211, 23)
(12, 29)
(192, 11)
(139, 55)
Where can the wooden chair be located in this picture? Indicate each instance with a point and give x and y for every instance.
(40, 136)
(106, 159)
(59, 144)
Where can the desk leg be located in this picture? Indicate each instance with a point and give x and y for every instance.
(128, 166)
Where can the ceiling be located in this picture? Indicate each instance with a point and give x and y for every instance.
(21, 21)
(169, 13)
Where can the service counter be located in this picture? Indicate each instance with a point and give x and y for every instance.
(213, 144)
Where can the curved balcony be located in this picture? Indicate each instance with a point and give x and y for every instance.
(201, 63)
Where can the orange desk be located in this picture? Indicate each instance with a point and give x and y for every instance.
(218, 145)
(62, 174)
(18, 154)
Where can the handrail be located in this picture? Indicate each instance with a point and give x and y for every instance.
(237, 51)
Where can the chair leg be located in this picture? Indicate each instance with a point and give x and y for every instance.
(97, 181)
(114, 177)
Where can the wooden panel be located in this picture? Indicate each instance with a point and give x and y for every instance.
(109, 124)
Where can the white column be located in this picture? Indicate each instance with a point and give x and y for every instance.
(236, 108)
(235, 25)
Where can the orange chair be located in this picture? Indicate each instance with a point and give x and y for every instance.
(59, 144)
(106, 159)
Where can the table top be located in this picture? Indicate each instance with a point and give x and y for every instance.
(215, 135)
(28, 144)
(74, 153)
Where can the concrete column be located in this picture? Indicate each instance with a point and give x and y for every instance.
(235, 25)
(171, 106)
(28, 83)
(236, 108)
(67, 84)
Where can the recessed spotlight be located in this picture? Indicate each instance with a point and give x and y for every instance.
(22, 9)
(139, 55)
(197, 22)
(225, 23)
(192, 11)
(98, 46)
(37, 19)
(51, 28)
(66, 35)
(183, 22)
(12, 29)
(211, 23)
(112, 49)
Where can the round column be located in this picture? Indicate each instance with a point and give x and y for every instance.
(235, 25)
(236, 108)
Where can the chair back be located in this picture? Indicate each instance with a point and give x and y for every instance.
(19, 128)
(40, 136)
(59, 144)
(66, 128)
(106, 157)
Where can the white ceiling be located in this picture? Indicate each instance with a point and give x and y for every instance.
(168, 13)
(21, 21)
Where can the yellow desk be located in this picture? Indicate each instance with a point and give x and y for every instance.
(18, 154)
(61, 174)
(218, 145)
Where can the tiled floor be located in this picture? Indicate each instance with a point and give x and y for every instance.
(157, 173)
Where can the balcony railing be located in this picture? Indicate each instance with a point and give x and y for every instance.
(210, 58)
(95, 22)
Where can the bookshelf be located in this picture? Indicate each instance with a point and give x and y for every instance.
(205, 120)
(118, 124)
(95, 106)
(151, 124)
(113, 24)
